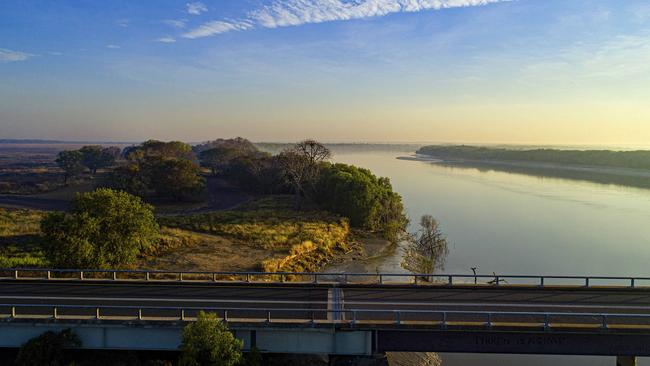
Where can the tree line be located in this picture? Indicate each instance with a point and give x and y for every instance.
(619, 159)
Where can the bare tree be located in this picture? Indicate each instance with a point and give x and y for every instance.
(427, 249)
(313, 150)
(300, 165)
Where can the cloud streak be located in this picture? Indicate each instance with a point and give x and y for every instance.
(196, 8)
(285, 13)
(13, 56)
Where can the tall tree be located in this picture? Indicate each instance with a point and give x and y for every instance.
(70, 162)
(301, 166)
(96, 157)
(427, 249)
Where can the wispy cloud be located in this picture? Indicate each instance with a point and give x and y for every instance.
(175, 23)
(13, 56)
(284, 13)
(166, 40)
(112, 46)
(124, 23)
(217, 27)
(196, 8)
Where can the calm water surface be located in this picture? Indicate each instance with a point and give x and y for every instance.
(519, 224)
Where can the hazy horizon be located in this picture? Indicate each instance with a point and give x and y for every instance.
(525, 72)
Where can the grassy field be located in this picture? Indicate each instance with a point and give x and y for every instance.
(265, 234)
(20, 244)
(294, 240)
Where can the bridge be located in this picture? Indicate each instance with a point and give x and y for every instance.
(337, 314)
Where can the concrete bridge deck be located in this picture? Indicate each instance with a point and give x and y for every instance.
(349, 318)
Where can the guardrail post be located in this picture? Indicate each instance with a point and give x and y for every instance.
(398, 318)
(140, 314)
(345, 278)
(268, 317)
(13, 311)
(541, 281)
(547, 324)
(381, 279)
(81, 275)
(182, 314)
(489, 320)
(451, 280)
(225, 316)
(312, 321)
(16, 274)
(604, 325)
(180, 276)
(114, 275)
(147, 275)
(354, 317)
(214, 277)
(497, 281)
(315, 278)
(415, 280)
(55, 313)
(586, 281)
(282, 277)
(49, 275)
(444, 320)
(97, 315)
(248, 277)
(632, 282)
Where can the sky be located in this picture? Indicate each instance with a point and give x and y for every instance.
(458, 71)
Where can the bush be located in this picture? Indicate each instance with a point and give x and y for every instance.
(369, 202)
(104, 229)
(208, 342)
(48, 349)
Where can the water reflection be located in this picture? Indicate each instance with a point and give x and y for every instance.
(515, 223)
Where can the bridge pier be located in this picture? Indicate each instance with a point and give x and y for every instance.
(625, 361)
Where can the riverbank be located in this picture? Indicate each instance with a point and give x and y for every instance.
(639, 178)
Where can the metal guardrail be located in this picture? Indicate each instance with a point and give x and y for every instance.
(307, 277)
(546, 321)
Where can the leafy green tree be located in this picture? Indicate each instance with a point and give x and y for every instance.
(48, 349)
(104, 229)
(167, 150)
(178, 179)
(207, 342)
(96, 157)
(218, 158)
(70, 162)
(427, 249)
(166, 169)
(368, 201)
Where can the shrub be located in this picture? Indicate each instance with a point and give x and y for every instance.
(47, 349)
(105, 228)
(208, 342)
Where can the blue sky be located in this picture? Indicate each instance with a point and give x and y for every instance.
(526, 71)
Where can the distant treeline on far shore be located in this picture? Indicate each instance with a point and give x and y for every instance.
(639, 159)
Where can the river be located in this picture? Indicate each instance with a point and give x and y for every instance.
(512, 223)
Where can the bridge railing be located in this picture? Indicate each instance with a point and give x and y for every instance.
(308, 277)
(437, 319)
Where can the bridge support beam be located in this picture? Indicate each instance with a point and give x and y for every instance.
(625, 361)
